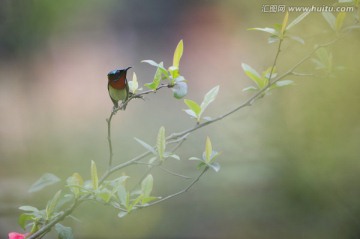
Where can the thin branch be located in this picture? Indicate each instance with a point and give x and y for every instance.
(178, 193)
(140, 95)
(46, 228)
(109, 138)
(275, 61)
(173, 173)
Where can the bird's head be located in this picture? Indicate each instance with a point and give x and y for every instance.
(116, 75)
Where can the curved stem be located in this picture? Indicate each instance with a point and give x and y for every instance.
(109, 138)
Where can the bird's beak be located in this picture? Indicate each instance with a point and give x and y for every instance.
(128, 68)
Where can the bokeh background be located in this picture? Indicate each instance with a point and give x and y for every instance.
(290, 163)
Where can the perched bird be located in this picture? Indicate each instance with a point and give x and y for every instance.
(118, 86)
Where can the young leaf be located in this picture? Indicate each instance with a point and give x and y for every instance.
(330, 18)
(282, 83)
(64, 232)
(153, 63)
(94, 176)
(160, 142)
(269, 71)
(208, 98)
(339, 21)
(208, 150)
(191, 113)
(250, 88)
(122, 195)
(50, 207)
(74, 183)
(296, 38)
(297, 20)
(157, 78)
(180, 90)
(23, 218)
(122, 214)
(146, 146)
(284, 23)
(215, 166)
(253, 75)
(29, 209)
(46, 180)
(174, 156)
(174, 71)
(147, 185)
(193, 106)
(266, 29)
(133, 85)
(105, 195)
(178, 53)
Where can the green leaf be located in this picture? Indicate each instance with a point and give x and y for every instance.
(75, 182)
(51, 205)
(122, 195)
(160, 142)
(324, 58)
(330, 18)
(178, 53)
(193, 106)
(180, 89)
(151, 62)
(146, 200)
(195, 158)
(174, 156)
(64, 232)
(94, 176)
(147, 185)
(250, 88)
(254, 75)
(24, 218)
(266, 74)
(298, 39)
(157, 78)
(122, 214)
(339, 22)
(174, 71)
(201, 165)
(266, 29)
(208, 150)
(297, 20)
(191, 113)
(284, 23)
(208, 98)
(215, 166)
(133, 85)
(282, 83)
(160, 65)
(146, 146)
(29, 209)
(105, 195)
(273, 39)
(46, 180)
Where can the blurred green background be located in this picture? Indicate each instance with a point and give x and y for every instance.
(290, 163)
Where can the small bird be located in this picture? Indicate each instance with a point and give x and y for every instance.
(118, 86)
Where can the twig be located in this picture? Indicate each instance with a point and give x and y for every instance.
(275, 61)
(109, 138)
(46, 228)
(178, 193)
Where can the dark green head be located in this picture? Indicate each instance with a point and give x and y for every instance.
(115, 75)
